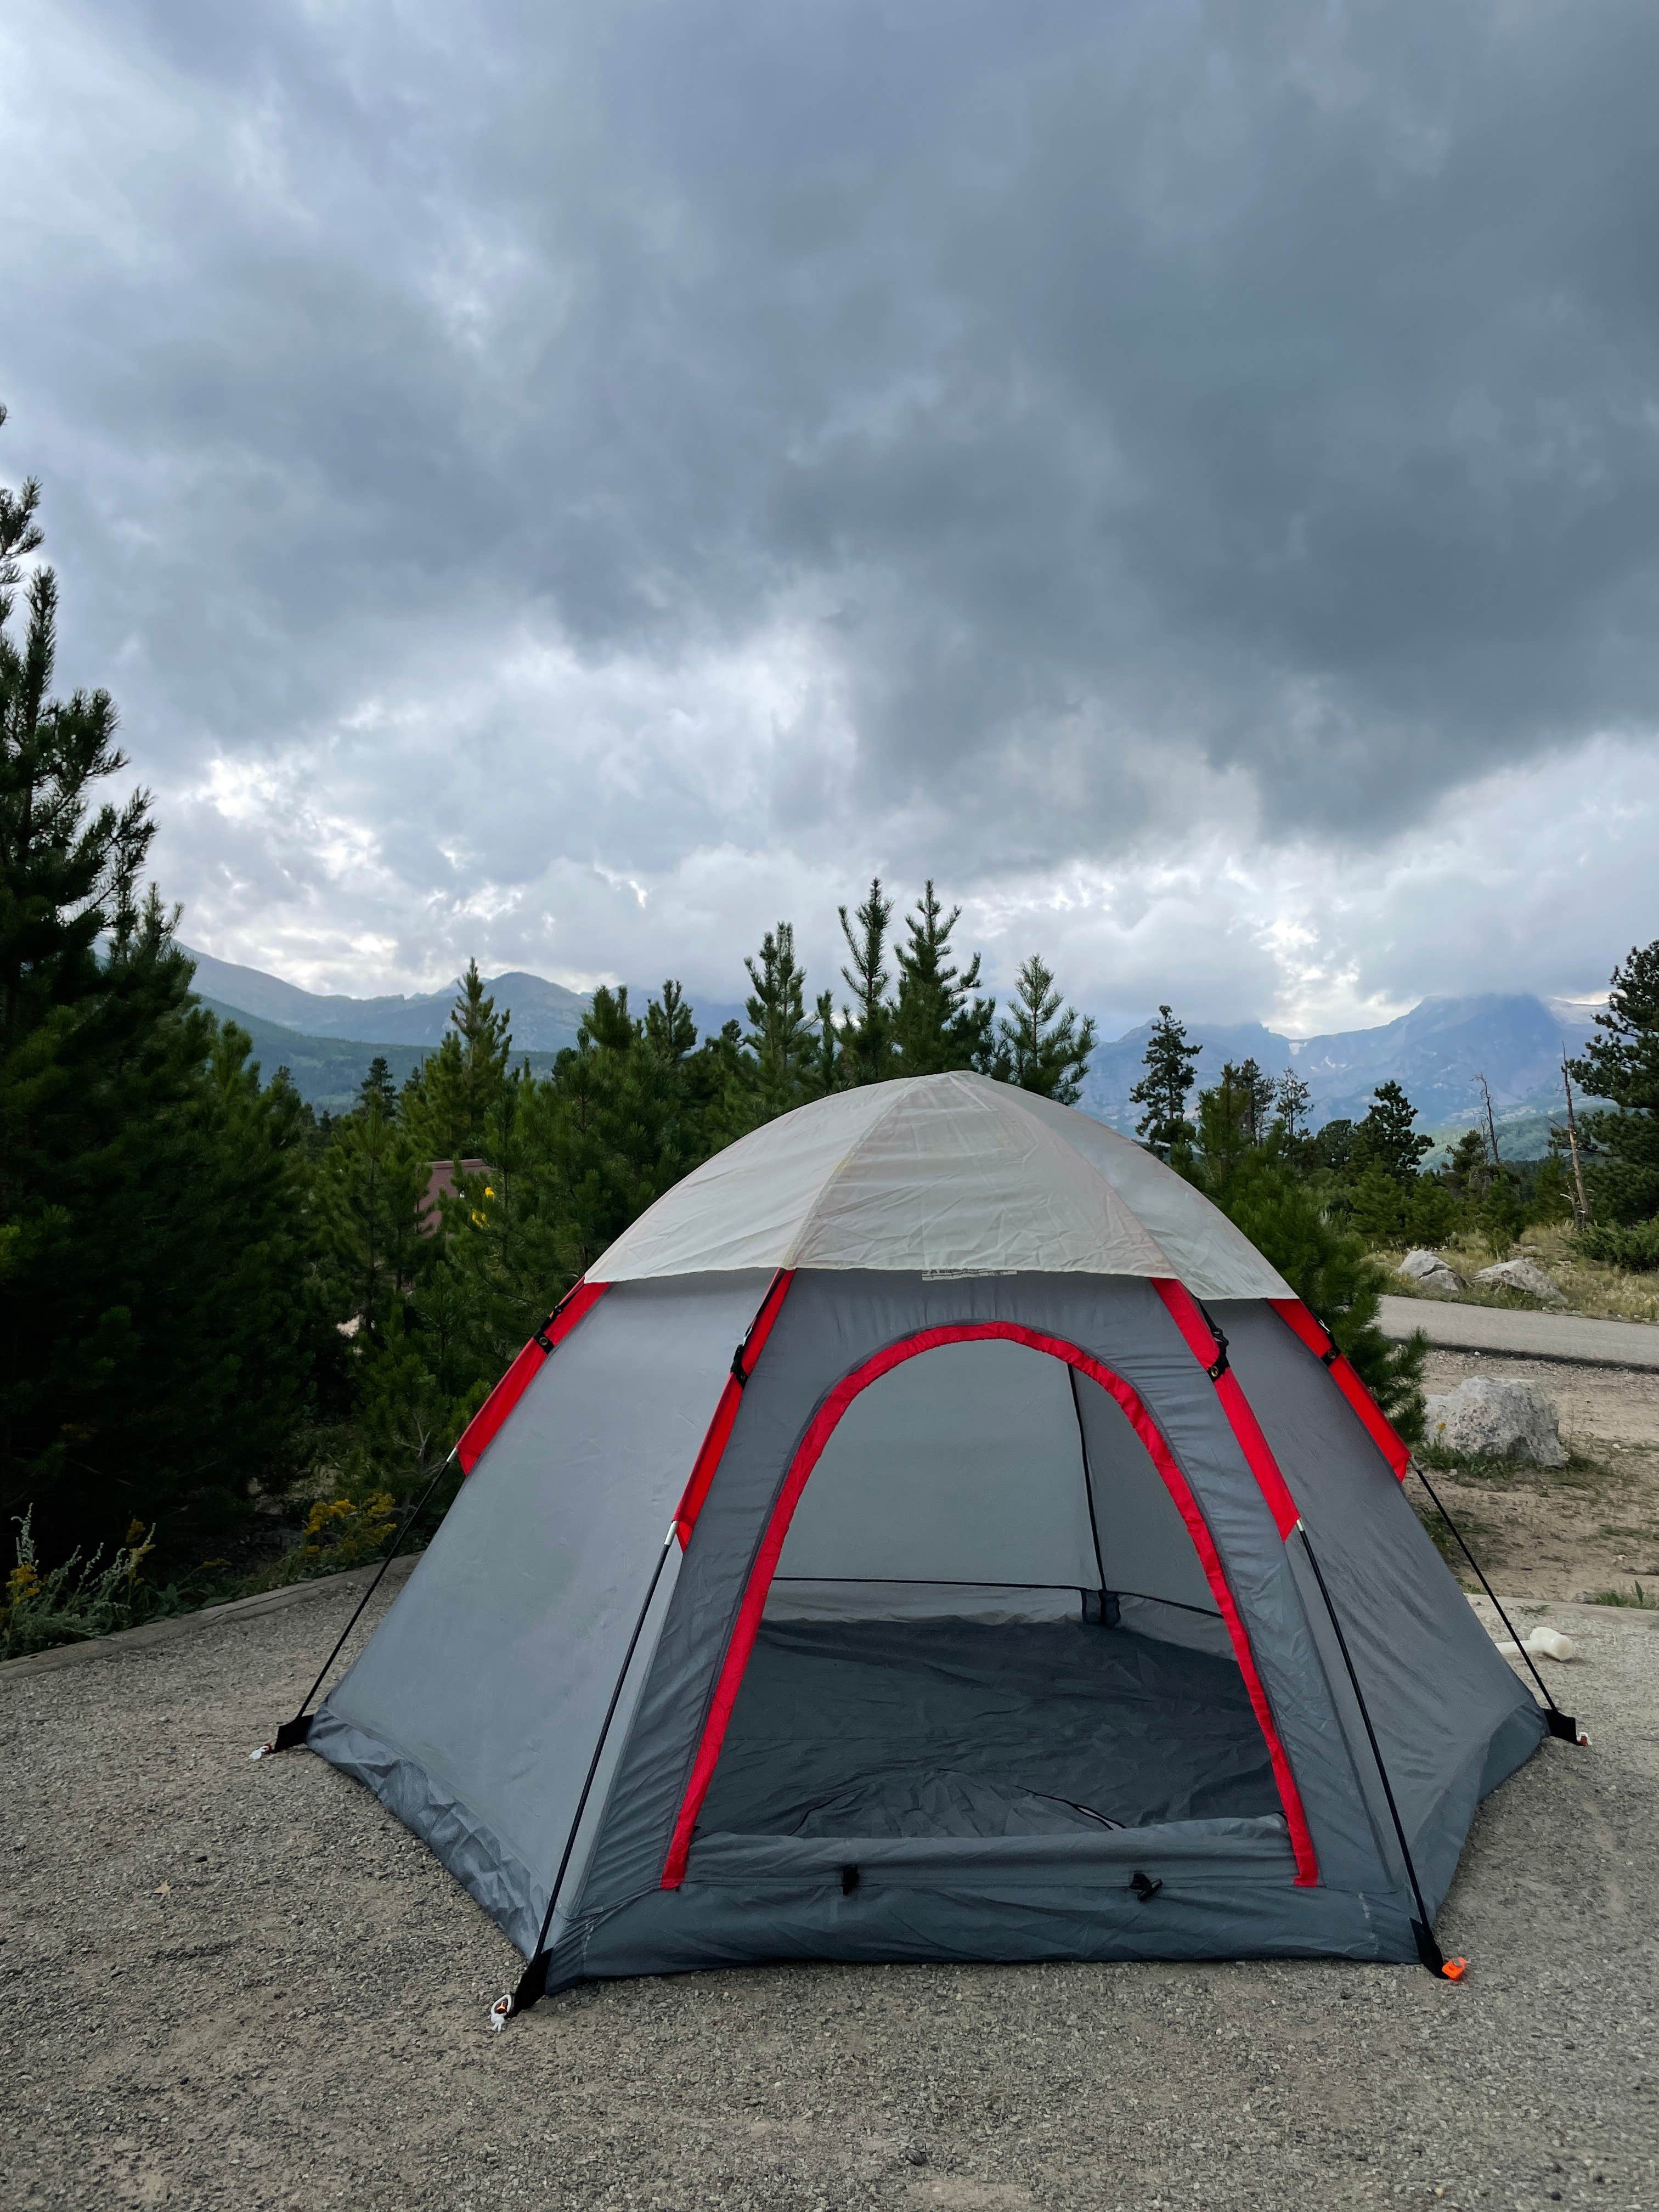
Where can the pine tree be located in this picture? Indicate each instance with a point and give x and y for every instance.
(378, 1084)
(1621, 1063)
(780, 1035)
(1468, 1169)
(460, 1086)
(941, 1022)
(1387, 1135)
(152, 1305)
(670, 1025)
(1223, 1134)
(372, 1231)
(1292, 1100)
(827, 1070)
(1163, 1090)
(867, 1041)
(1257, 1092)
(1043, 1046)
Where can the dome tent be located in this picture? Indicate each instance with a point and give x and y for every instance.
(1036, 1583)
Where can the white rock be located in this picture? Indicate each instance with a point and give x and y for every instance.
(1522, 1275)
(1483, 1419)
(1429, 1269)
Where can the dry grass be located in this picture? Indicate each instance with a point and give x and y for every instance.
(1589, 1286)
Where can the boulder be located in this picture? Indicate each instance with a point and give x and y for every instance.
(1485, 1419)
(1429, 1269)
(1522, 1275)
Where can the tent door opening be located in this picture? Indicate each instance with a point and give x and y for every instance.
(988, 1619)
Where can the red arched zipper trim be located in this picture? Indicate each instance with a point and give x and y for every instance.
(1346, 1377)
(808, 1453)
(482, 1428)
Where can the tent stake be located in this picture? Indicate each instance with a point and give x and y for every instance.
(532, 1982)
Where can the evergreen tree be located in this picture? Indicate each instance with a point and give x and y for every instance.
(1043, 1046)
(460, 1086)
(1334, 1146)
(1163, 1090)
(670, 1025)
(1387, 1135)
(1223, 1134)
(1292, 1100)
(940, 1022)
(1468, 1167)
(827, 1068)
(153, 1315)
(867, 1040)
(1257, 1094)
(780, 1035)
(1621, 1063)
(375, 1239)
(377, 1084)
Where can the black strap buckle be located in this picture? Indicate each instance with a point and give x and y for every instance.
(1143, 1886)
(542, 1340)
(739, 1372)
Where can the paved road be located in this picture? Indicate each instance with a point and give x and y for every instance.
(1525, 1335)
(230, 1985)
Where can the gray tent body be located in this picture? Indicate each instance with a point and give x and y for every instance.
(940, 1670)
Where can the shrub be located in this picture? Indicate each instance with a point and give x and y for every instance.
(81, 1598)
(1635, 1247)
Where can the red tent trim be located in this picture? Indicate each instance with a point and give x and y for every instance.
(1202, 1343)
(1346, 1376)
(481, 1429)
(726, 1412)
(819, 1433)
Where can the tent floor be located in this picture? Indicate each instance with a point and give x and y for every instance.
(954, 1728)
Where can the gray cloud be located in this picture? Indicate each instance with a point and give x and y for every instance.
(524, 447)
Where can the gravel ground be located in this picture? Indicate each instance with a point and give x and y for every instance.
(231, 1985)
(1580, 1530)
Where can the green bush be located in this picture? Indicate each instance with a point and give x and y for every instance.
(1635, 1246)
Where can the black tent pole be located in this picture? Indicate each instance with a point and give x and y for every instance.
(1561, 1724)
(532, 1982)
(297, 1730)
(1422, 1928)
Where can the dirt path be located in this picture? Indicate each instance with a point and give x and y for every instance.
(225, 1985)
(1591, 1526)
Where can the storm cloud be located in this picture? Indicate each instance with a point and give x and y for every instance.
(574, 483)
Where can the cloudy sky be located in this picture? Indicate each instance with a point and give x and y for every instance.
(572, 483)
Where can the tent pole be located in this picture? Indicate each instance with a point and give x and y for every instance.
(1428, 1950)
(1088, 1486)
(1561, 1724)
(297, 1730)
(532, 1982)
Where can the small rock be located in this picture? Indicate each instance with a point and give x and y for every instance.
(1431, 1271)
(1522, 1275)
(1485, 1419)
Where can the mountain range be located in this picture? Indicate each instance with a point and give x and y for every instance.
(1438, 1051)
